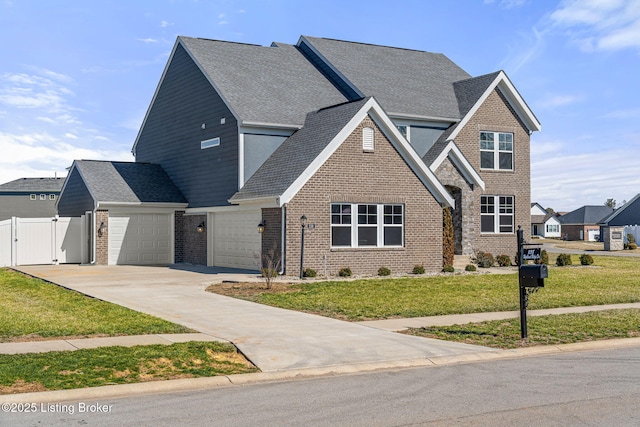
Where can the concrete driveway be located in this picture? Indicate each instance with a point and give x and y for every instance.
(274, 339)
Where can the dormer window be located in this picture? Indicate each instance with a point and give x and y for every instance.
(367, 139)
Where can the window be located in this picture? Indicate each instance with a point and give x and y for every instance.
(43, 197)
(32, 197)
(214, 142)
(52, 196)
(403, 130)
(496, 156)
(367, 139)
(376, 225)
(553, 228)
(496, 214)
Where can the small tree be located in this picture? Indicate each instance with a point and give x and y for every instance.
(447, 238)
(270, 266)
(610, 203)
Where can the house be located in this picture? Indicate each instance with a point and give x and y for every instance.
(366, 143)
(583, 223)
(544, 224)
(29, 197)
(627, 216)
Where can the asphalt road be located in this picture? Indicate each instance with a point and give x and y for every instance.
(595, 388)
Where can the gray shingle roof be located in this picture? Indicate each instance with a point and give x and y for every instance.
(297, 152)
(128, 182)
(406, 82)
(274, 85)
(438, 146)
(586, 215)
(49, 185)
(470, 90)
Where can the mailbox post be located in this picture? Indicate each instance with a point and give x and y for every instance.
(530, 277)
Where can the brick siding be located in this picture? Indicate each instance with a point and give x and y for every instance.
(190, 246)
(353, 176)
(102, 242)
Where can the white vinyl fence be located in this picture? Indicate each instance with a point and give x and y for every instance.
(632, 229)
(28, 241)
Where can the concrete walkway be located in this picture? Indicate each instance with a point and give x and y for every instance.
(461, 319)
(273, 339)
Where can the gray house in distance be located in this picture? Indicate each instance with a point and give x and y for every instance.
(368, 143)
(30, 197)
(583, 223)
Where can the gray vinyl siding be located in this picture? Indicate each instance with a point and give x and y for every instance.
(173, 131)
(75, 199)
(257, 149)
(20, 205)
(629, 216)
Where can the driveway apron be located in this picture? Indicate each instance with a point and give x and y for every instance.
(273, 339)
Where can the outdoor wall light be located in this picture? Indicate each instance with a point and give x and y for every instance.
(261, 226)
(201, 227)
(102, 229)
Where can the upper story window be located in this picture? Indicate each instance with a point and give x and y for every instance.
(52, 196)
(32, 197)
(496, 150)
(496, 214)
(43, 197)
(214, 142)
(367, 139)
(367, 225)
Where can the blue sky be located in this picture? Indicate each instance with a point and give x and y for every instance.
(76, 77)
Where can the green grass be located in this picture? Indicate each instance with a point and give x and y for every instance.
(118, 365)
(33, 309)
(542, 330)
(610, 280)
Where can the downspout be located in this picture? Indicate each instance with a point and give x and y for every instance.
(283, 240)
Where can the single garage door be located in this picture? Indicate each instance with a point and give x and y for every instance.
(236, 241)
(140, 239)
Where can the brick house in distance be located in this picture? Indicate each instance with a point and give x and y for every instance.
(369, 143)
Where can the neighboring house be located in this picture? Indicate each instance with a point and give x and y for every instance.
(583, 223)
(29, 197)
(628, 216)
(368, 143)
(543, 223)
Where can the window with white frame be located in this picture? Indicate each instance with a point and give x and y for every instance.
(43, 197)
(214, 142)
(367, 139)
(496, 150)
(52, 196)
(496, 214)
(32, 197)
(374, 225)
(553, 228)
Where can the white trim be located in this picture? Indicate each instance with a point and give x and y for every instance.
(460, 161)
(271, 125)
(405, 116)
(509, 91)
(240, 160)
(210, 143)
(229, 208)
(150, 205)
(409, 155)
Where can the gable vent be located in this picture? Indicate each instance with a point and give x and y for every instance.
(367, 139)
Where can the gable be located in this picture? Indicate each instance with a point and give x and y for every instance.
(536, 209)
(321, 136)
(75, 198)
(628, 214)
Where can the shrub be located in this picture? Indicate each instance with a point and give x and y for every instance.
(631, 238)
(503, 260)
(309, 272)
(632, 246)
(470, 267)
(586, 259)
(563, 259)
(484, 259)
(418, 269)
(544, 257)
(345, 272)
(448, 268)
(384, 271)
(269, 272)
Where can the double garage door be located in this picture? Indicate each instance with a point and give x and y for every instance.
(140, 238)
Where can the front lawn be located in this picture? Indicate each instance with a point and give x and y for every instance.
(32, 309)
(118, 365)
(542, 330)
(610, 280)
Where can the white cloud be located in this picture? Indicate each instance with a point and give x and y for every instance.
(21, 90)
(633, 113)
(600, 24)
(70, 136)
(553, 101)
(148, 40)
(165, 24)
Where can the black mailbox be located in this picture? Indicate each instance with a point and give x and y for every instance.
(535, 271)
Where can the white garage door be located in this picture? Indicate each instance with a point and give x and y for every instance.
(236, 241)
(594, 235)
(139, 239)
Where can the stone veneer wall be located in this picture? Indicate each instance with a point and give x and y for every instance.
(102, 242)
(613, 238)
(351, 175)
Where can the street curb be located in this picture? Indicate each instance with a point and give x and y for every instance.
(193, 384)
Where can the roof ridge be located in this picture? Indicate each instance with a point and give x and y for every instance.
(376, 45)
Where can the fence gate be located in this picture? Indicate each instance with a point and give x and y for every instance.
(28, 241)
